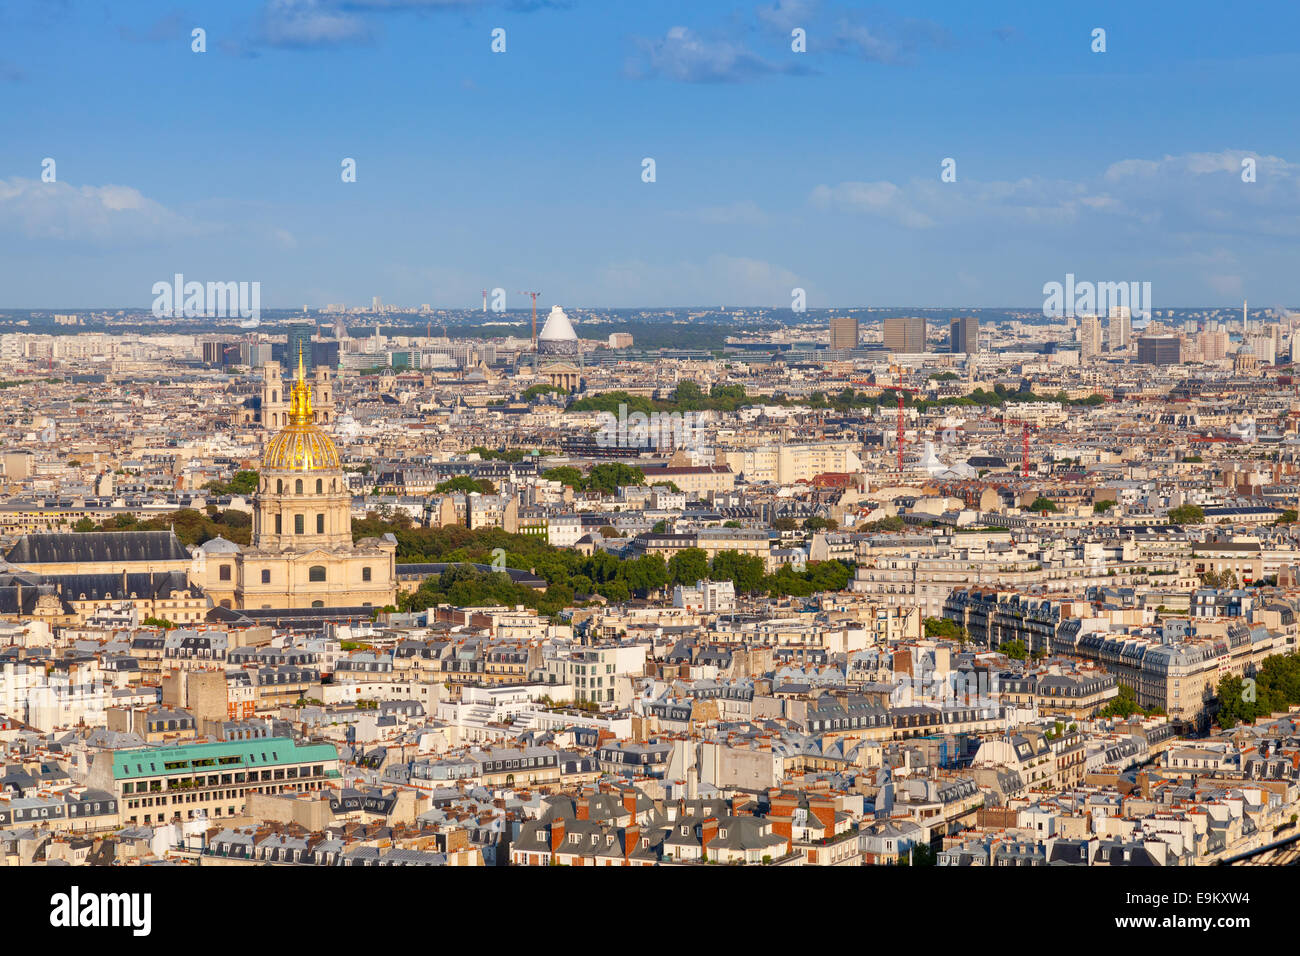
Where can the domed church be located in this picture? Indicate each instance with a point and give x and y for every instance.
(302, 555)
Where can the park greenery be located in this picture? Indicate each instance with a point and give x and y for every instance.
(1273, 689)
(191, 527)
(1124, 705)
(570, 576)
(689, 397)
(242, 483)
(605, 478)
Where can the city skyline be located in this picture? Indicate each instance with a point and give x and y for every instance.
(775, 170)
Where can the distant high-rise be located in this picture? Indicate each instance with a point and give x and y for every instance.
(1089, 337)
(1214, 345)
(964, 335)
(1120, 331)
(377, 304)
(300, 334)
(905, 334)
(844, 332)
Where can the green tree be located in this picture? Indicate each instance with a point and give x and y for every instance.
(83, 525)
(242, 483)
(688, 566)
(1187, 514)
(1124, 704)
(534, 391)
(464, 484)
(607, 478)
(894, 523)
(1043, 504)
(943, 628)
(646, 573)
(818, 523)
(1101, 507)
(565, 475)
(744, 571)
(1015, 650)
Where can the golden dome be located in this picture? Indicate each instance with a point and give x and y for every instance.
(301, 445)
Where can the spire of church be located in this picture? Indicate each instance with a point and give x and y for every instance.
(300, 401)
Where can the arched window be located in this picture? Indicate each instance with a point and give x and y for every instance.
(297, 487)
(316, 572)
(320, 485)
(317, 603)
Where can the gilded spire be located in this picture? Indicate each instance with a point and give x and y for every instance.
(300, 401)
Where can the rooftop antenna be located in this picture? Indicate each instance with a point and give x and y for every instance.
(534, 295)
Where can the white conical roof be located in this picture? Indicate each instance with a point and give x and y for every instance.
(558, 328)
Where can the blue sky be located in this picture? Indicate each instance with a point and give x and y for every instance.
(774, 169)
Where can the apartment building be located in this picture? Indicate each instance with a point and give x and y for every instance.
(159, 784)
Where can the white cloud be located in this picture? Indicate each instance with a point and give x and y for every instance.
(785, 15)
(111, 213)
(310, 23)
(1194, 194)
(883, 199)
(687, 57)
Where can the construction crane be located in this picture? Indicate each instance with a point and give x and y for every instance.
(1025, 428)
(900, 390)
(534, 295)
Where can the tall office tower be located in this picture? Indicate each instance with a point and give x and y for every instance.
(1089, 337)
(905, 334)
(844, 332)
(300, 335)
(964, 335)
(1120, 331)
(377, 304)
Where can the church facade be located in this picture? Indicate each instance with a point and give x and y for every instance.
(301, 554)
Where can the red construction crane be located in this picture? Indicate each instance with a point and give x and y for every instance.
(534, 295)
(1025, 428)
(900, 390)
